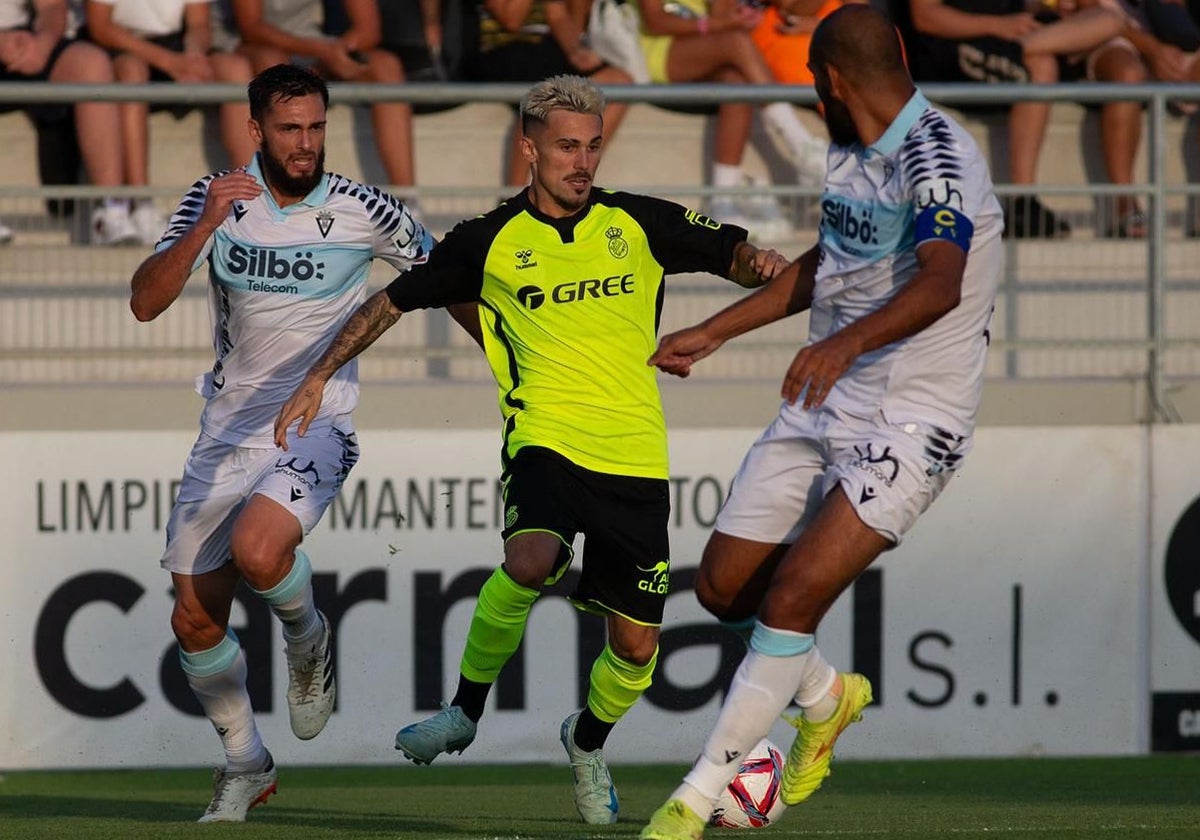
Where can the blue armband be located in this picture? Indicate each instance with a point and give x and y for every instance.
(939, 221)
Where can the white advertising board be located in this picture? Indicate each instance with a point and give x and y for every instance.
(1175, 590)
(1011, 621)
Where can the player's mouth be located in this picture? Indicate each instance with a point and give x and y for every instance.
(304, 164)
(580, 182)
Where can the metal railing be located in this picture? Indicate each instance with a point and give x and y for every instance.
(59, 325)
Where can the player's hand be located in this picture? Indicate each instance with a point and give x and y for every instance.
(223, 192)
(1015, 27)
(303, 405)
(678, 351)
(1168, 63)
(816, 368)
(15, 51)
(768, 263)
(34, 55)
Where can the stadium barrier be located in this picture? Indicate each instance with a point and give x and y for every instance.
(1087, 308)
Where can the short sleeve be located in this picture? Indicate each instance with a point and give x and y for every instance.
(939, 167)
(452, 274)
(682, 240)
(186, 215)
(398, 237)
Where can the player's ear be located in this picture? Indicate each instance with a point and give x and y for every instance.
(528, 149)
(255, 130)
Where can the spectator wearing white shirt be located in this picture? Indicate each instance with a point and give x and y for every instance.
(165, 41)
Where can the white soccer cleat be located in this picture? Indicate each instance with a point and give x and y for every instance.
(311, 690)
(595, 796)
(111, 225)
(236, 793)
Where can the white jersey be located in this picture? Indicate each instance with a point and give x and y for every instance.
(282, 282)
(924, 179)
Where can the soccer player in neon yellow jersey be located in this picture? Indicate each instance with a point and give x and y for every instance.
(879, 406)
(569, 282)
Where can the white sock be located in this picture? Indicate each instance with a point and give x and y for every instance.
(727, 175)
(815, 696)
(762, 688)
(218, 679)
(292, 602)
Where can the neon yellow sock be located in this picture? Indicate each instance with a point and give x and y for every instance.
(496, 627)
(617, 684)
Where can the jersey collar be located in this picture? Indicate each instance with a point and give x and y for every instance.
(315, 198)
(891, 139)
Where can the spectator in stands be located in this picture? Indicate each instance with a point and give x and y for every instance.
(785, 32)
(532, 40)
(1000, 41)
(1159, 41)
(34, 47)
(165, 41)
(689, 41)
(279, 31)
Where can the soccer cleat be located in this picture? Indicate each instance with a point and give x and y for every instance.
(448, 731)
(812, 750)
(595, 796)
(674, 821)
(311, 690)
(236, 793)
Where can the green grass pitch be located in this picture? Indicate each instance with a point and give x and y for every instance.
(1084, 798)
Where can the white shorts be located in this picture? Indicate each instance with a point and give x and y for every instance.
(890, 473)
(219, 478)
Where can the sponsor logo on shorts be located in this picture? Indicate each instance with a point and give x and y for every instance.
(301, 470)
(879, 462)
(658, 578)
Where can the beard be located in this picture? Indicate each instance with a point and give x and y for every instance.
(842, 130)
(294, 186)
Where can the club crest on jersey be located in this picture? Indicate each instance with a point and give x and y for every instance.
(324, 221)
(617, 246)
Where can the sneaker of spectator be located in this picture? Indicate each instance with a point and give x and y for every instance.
(34, 46)
(523, 41)
(166, 41)
(112, 225)
(6, 233)
(995, 43)
(284, 31)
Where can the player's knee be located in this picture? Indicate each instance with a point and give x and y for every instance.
(637, 652)
(195, 628)
(718, 600)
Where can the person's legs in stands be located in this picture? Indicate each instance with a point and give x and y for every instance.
(135, 132)
(261, 57)
(234, 116)
(392, 121)
(97, 124)
(1121, 131)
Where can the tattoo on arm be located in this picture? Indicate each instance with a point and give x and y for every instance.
(742, 271)
(371, 320)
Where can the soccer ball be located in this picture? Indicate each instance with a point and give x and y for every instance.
(752, 798)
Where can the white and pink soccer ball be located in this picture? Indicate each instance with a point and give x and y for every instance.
(752, 798)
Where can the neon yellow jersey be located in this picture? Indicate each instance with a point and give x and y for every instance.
(570, 310)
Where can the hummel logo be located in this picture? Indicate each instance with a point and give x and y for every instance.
(868, 494)
(296, 494)
(732, 756)
(239, 210)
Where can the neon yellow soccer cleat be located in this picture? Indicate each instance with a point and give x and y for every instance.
(674, 821)
(812, 750)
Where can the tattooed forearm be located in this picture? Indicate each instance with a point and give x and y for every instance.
(744, 271)
(371, 320)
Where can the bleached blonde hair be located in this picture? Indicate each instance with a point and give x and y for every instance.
(561, 93)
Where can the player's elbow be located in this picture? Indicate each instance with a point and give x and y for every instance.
(142, 311)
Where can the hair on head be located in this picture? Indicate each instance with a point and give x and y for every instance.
(560, 93)
(861, 42)
(280, 83)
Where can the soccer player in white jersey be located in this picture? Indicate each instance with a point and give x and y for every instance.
(879, 407)
(289, 249)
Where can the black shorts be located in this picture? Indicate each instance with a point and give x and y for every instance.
(623, 519)
(982, 60)
(43, 112)
(524, 62)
